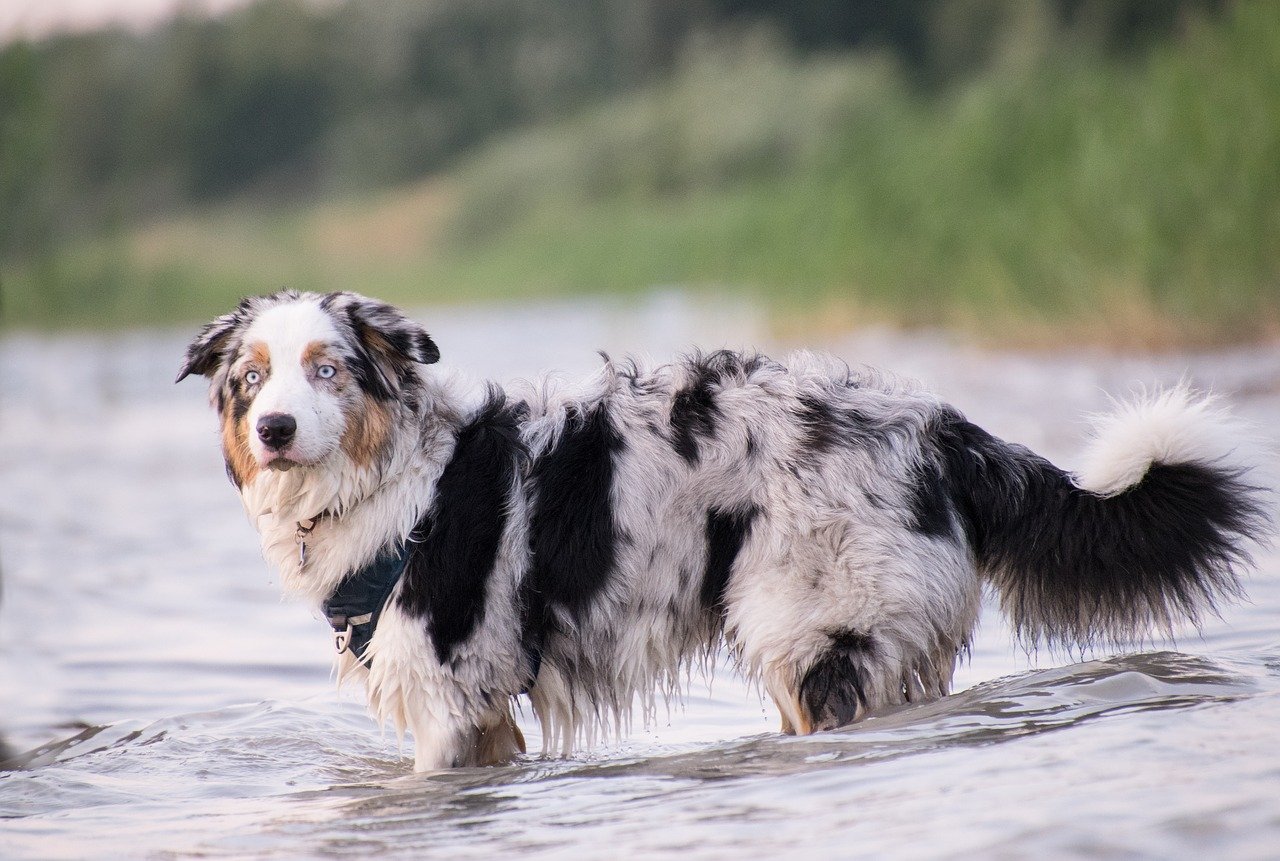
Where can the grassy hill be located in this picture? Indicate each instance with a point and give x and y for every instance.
(1055, 195)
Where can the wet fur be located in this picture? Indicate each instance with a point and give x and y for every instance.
(590, 542)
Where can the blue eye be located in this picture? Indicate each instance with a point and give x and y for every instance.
(324, 372)
(253, 378)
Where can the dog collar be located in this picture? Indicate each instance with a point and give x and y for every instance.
(356, 605)
(300, 535)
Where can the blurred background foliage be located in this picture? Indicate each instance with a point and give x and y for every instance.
(1101, 170)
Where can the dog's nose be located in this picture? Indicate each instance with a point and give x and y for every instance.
(276, 430)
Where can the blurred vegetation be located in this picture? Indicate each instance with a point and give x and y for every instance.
(1106, 170)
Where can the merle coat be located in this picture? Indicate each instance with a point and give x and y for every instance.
(588, 542)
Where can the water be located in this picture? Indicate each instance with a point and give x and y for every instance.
(170, 705)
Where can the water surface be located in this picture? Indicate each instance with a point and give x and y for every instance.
(170, 705)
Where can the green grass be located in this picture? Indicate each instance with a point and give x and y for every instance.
(1053, 197)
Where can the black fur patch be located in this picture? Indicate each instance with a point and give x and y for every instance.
(863, 430)
(823, 428)
(930, 501)
(1071, 566)
(826, 427)
(726, 532)
(693, 408)
(693, 413)
(571, 529)
(832, 689)
(454, 547)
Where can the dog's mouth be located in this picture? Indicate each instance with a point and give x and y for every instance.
(287, 457)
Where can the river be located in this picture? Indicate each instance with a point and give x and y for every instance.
(170, 705)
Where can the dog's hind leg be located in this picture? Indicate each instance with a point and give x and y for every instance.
(497, 740)
(494, 739)
(832, 693)
(829, 693)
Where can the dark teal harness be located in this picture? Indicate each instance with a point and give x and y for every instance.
(356, 605)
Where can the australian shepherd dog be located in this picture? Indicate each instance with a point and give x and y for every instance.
(586, 543)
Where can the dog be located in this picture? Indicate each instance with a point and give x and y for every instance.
(588, 543)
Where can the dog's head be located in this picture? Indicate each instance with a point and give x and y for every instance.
(298, 378)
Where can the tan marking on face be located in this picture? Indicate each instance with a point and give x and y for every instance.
(316, 352)
(235, 448)
(368, 430)
(260, 355)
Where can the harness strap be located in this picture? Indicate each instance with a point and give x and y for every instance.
(356, 605)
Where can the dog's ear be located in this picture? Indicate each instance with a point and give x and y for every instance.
(207, 351)
(391, 341)
(387, 331)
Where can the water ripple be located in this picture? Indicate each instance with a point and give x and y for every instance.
(317, 774)
(192, 715)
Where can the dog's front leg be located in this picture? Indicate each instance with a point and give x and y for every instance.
(437, 745)
(494, 739)
(408, 686)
